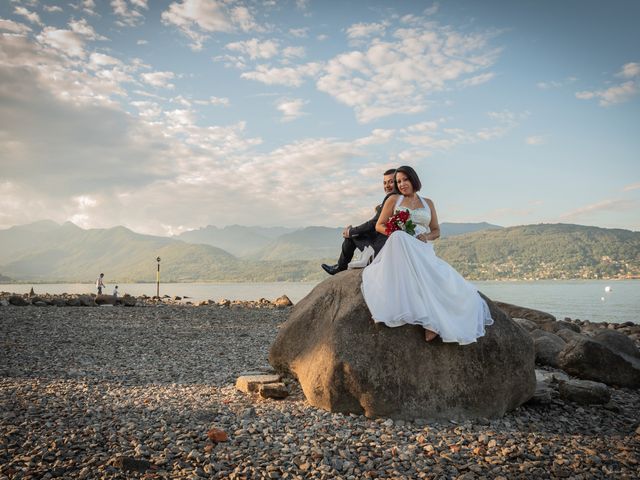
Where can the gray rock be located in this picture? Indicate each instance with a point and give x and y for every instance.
(618, 342)
(515, 311)
(86, 301)
(252, 383)
(18, 301)
(591, 360)
(105, 300)
(555, 327)
(584, 392)
(127, 301)
(347, 363)
(528, 325)
(548, 346)
(570, 335)
(273, 390)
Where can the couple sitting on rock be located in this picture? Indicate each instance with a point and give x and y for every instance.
(404, 282)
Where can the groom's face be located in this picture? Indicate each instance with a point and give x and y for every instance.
(388, 183)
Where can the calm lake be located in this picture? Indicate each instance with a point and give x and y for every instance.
(583, 299)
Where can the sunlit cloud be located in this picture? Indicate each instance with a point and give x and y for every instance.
(619, 93)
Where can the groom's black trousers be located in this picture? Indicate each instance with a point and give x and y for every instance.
(349, 245)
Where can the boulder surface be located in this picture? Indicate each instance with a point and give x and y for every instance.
(347, 363)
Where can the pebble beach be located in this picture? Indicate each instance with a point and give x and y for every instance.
(132, 392)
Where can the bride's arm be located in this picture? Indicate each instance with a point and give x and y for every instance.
(434, 226)
(385, 214)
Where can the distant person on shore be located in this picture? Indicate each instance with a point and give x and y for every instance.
(364, 235)
(408, 284)
(115, 291)
(100, 283)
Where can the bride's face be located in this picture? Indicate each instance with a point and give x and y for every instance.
(404, 185)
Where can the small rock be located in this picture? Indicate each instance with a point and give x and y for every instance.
(273, 390)
(251, 383)
(216, 435)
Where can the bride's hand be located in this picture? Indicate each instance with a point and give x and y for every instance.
(422, 237)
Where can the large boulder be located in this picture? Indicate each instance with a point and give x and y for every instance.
(347, 363)
(547, 346)
(618, 342)
(589, 359)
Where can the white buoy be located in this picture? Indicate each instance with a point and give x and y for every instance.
(602, 298)
(607, 288)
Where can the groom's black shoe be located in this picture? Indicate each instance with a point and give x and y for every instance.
(330, 269)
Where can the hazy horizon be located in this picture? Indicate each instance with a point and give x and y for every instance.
(169, 116)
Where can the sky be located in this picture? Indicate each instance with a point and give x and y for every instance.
(165, 116)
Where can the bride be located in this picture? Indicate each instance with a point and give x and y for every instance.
(408, 284)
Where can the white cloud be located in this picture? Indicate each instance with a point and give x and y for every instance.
(293, 52)
(433, 9)
(365, 30)
(199, 18)
(66, 41)
(219, 101)
(556, 83)
(609, 205)
(127, 16)
(142, 42)
(28, 14)
(391, 77)
(629, 70)
(254, 48)
(619, 93)
(81, 27)
(477, 80)
(291, 108)
(52, 8)
(322, 37)
(535, 140)
(299, 32)
(159, 79)
(13, 27)
(288, 76)
(633, 186)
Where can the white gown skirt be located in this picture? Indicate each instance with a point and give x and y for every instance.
(408, 284)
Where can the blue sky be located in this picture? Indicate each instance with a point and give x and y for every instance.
(166, 116)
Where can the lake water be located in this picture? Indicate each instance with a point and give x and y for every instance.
(583, 299)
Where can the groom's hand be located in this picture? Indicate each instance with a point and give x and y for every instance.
(345, 232)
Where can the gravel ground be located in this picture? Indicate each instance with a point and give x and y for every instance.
(132, 392)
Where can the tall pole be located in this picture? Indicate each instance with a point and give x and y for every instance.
(158, 279)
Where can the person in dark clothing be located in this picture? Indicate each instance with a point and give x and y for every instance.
(363, 235)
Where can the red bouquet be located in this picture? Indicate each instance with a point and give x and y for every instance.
(401, 220)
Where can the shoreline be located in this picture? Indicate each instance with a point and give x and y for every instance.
(81, 387)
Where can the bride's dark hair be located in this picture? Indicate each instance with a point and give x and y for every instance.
(411, 175)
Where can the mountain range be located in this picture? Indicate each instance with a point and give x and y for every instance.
(49, 252)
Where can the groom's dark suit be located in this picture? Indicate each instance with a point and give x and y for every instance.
(362, 236)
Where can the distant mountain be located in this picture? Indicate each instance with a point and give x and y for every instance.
(49, 252)
(452, 229)
(235, 239)
(69, 253)
(307, 243)
(544, 251)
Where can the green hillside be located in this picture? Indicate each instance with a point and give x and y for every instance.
(559, 251)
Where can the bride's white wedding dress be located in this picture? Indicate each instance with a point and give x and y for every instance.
(408, 284)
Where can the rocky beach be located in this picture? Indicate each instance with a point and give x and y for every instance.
(148, 391)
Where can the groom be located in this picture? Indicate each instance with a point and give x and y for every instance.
(363, 235)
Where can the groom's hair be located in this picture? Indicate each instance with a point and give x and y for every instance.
(411, 175)
(391, 171)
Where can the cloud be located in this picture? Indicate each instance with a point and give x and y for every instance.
(52, 8)
(291, 108)
(299, 32)
(610, 205)
(254, 48)
(619, 93)
(477, 80)
(159, 79)
(288, 76)
(633, 186)
(128, 16)
(391, 77)
(65, 41)
(197, 19)
(535, 140)
(29, 15)
(556, 83)
(13, 27)
(433, 9)
(364, 30)
(81, 27)
(433, 135)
